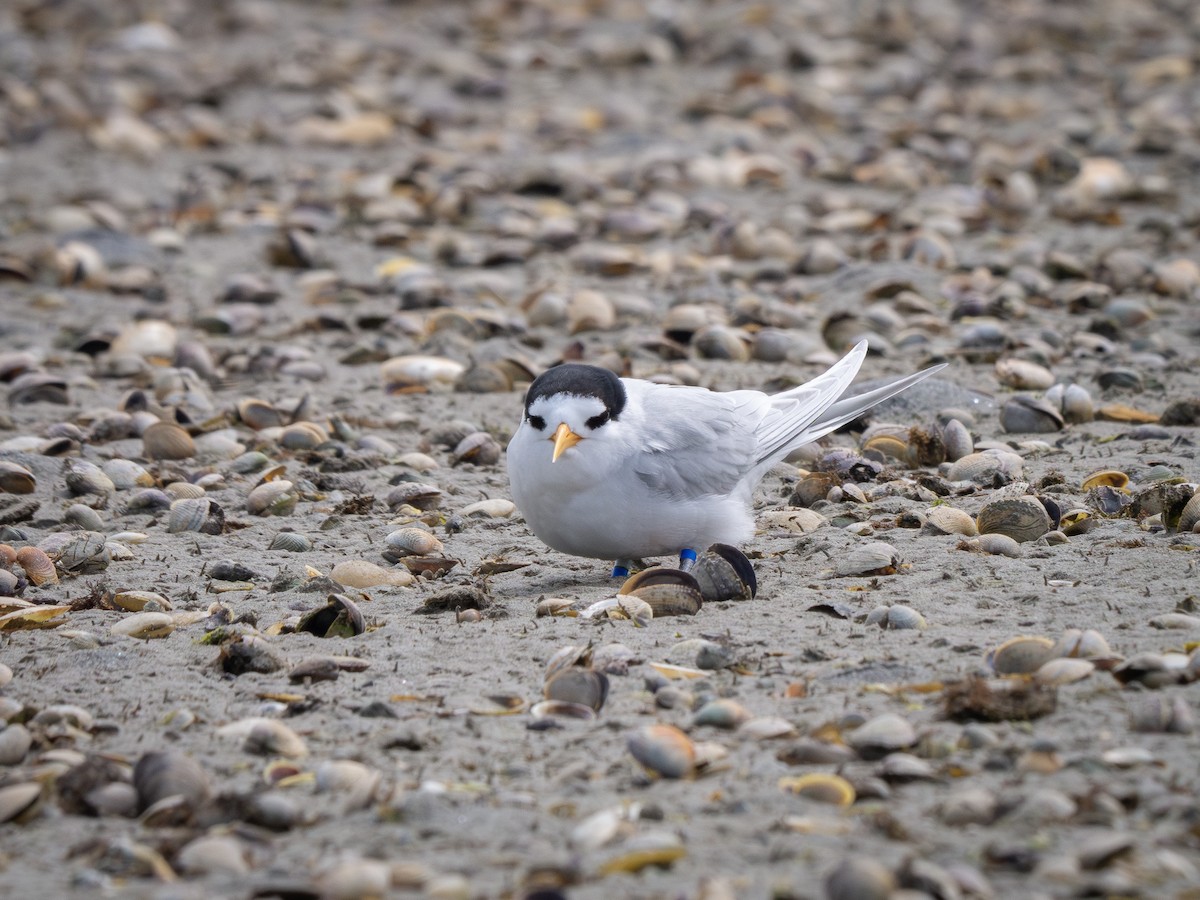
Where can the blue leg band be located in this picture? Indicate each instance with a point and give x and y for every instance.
(687, 559)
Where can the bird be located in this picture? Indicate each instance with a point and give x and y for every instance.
(625, 469)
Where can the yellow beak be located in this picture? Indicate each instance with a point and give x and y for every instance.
(564, 438)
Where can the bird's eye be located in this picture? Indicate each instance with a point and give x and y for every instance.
(596, 421)
(537, 422)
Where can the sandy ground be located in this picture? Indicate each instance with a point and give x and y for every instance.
(607, 103)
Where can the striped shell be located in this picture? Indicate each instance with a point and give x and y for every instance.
(292, 542)
(669, 592)
(166, 440)
(1020, 518)
(198, 514)
(39, 568)
(275, 498)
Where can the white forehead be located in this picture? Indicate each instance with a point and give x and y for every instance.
(569, 408)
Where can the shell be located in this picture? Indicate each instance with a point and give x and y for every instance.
(15, 741)
(820, 787)
(478, 449)
(1023, 374)
(986, 468)
(957, 440)
(882, 735)
(406, 374)
(87, 478)
(669, 592)
(1106, 478)
(1189, 518)
(578, 685)
(797, 521)
(414, 542)
(199, 514)
(1063, 671)
(18, 800)
(663, 750)
(1155, 713)
(125, 474)
(1073, 401)
(302, 436)
(721, 342)
(16, 479)
(1027, 415)
(995, 545)
(1020, 655)
(274, 498)
(266, 737)
(259, 414)
(291, 541)
(871, 558)
(950, 520)
(145, 626)
(1087, 644)
(339, 617)
(722, 713)
(358, 573)
(166, 440)
(424, 497)
(39, 568)
(563, 709)
(860, 878)
(85, 554)
(724, 573)
(136, 601)
(1020, 518)
(184, 490)
(163, 774)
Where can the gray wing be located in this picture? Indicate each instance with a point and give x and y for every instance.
(699, 443)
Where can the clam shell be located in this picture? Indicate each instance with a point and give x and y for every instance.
(145, 626)
(291, 541)
(200, 514)
(1023, 374)
(1020, 655)
(39, 568)
(986, 468)
(410, 493)
(166, 440)
(949, 520)
(1028, 415)
(162, 774)
(87, 478)
(871, 558)
(957, 440)
(414, 542)
(184, 490)
(259, 414)
(1087, 644)
(302, 436)
(996, 545)
(18, 800)
(15, 741)
(125, 474)
(274, 498)
(1189, 518)
(1063, 671)
(359, 573)
(1020, 518)
(882, 735)
(724, 573)
(1106, 478)
(721, 342)
(563, 709)
(797, 521)
(16, 479)
(663, 750)
(722, 713)
(136, 601)
(339, 617)
(820, 787)
(84, 554)
(669, 592)
(578, 685)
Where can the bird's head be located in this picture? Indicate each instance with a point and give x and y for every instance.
(573, 402)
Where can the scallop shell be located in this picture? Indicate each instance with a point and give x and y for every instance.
(16, 479)
(725, 573)
(274, 498)
(1020, 518)
(670, 592)
(184, 490)
(1020, 655)
(578, 685)
(663, 750)
(39, 568)
(166, 440)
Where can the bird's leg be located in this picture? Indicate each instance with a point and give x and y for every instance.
(621, 568)
(687, 559)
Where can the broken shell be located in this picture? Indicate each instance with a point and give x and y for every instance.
(949, 520)
(565, 657)
(414, 542)
(162, 774)
(578, 685)
(663, 750)
(725, 573)
(1020, 655)
(166, 440)
(16, 479)
(274, 498)
(200, 514)
(37, 565)
(145, 626)
(554, 606)
(821, 787)
(872, 558)
(359, 573)
(670, 592)
(1027, 415)
(1020, 518)
(339, 617)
